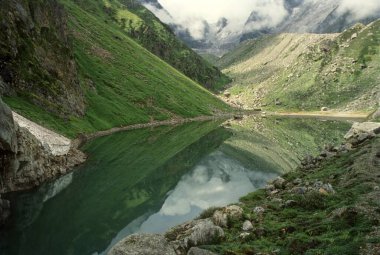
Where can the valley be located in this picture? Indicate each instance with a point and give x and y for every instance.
(151, 127)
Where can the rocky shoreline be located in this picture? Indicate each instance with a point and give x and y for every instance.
(30, 156)
(215, 224)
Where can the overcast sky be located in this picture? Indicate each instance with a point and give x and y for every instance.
(191, 13)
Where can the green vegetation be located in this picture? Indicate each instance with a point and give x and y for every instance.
(306, 72)
(142, 25)
(211, 58)
(123, 83)
(344, 222)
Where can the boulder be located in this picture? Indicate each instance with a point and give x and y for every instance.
(354, 36)
(194, 233)
(279, 183)
(198, 251)
(365, 127)
(220, 219)
(247, 226)
(143, 244)
(234, 211)
(324, 109)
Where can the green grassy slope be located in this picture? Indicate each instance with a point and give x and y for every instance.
(340, 223)
(123, 82)
(307, 71)
(142, 25)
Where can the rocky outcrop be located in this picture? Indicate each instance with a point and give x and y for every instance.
(8, 147)
(222, 217)
(7, 130)
(198, 251)
(26, 161)
(194, 233)
(36, 56)
(143, 244)
(370, 128)
(32, 164)
(179, 240)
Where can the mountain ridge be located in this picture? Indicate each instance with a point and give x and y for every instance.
(305, 72)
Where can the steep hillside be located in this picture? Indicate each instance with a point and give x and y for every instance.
(140, 24)
(122, 82)
(308, 71)
(36, 57)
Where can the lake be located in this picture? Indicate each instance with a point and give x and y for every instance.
(149, 180)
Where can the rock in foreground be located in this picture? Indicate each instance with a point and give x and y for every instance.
(143, 244)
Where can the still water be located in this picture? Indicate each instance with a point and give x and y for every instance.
(149, 180)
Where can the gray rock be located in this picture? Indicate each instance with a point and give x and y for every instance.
(194, 233)
(279, 183)
(365, 127)
(220, 219)
(205, 232)
(143, 244)
(259, 210)
(269, 187)
(198, 251)
(8, 139)
(247, 226)
(290, 203)
(324, 109)
(299, 190)
(234, 211)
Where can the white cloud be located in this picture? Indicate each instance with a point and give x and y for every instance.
(191, 14)
(360, 9)
(162, 14)
(199, 17)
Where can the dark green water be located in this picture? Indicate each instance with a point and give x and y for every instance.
(149, 180)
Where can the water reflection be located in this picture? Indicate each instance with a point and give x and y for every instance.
(149, 180)
(217, 181)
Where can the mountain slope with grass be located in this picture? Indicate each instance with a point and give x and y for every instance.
(119, 81)
(308, 71)
(144, 27)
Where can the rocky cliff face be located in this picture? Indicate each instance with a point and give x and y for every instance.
(24, 161)
(36, 60)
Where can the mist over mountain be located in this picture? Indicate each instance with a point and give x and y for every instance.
(216, 26)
